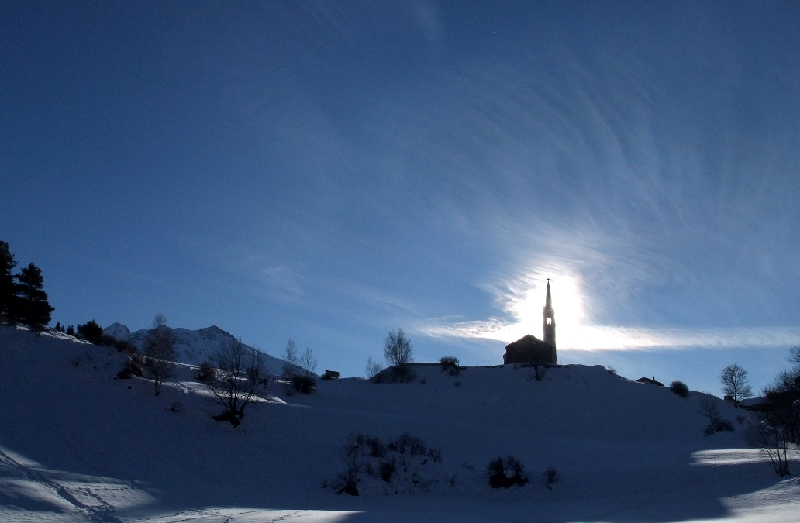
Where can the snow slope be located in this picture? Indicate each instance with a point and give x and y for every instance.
(193, 346)
(78, 445)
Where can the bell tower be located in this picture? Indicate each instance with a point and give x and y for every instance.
(549, 320)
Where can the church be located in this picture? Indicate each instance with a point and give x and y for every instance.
(530, 349)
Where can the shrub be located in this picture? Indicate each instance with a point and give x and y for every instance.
(386, 469)
(304, 384)
(125, 346)
(550, 477)
(206, 372)
(451, 364)
(403, 465)
(679, 388)
(408, 444)
(719, 425)
(506, 472)
(130, 369)
(708, 407)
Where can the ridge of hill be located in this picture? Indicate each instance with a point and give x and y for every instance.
(193, 346)
(77, 444)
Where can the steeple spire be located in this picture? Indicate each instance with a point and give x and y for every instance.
(549, 303)
(549, 321)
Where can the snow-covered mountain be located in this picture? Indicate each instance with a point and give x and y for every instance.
(77, 444)
(193, 346)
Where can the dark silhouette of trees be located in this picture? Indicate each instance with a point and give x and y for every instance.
(91, 332)
(30, 306)
(159, 351)
(7, 264)
(735, 383)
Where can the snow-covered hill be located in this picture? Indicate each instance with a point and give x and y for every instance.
(193, 346)
(76, 444)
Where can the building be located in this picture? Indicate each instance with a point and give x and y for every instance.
(530, 349)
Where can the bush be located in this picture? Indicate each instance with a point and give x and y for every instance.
(550, 477)
(451, 364)
(679, 388)
(206, 372)
(126, 347)
(403, 465)
(408, 444)
(506, 472)
(132, 368)
(708, 407)
(719, 425)
(304, 384)
(386, 469)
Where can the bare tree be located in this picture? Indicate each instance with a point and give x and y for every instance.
(397, 349)
(239, 370)
(290, 356)
(735, 383)
(373, 368)
(159, 351)
(308, 362)
(773, 438)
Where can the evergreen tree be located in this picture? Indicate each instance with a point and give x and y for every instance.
(30, 306)
(7, 287)
(91, 332)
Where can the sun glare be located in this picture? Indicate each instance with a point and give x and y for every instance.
(567, 304)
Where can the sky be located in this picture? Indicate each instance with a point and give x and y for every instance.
(329, 171)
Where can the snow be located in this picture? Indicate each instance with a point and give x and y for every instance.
(193, 346)
(78, 445)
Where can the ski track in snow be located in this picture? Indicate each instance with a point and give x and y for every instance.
(100, 511)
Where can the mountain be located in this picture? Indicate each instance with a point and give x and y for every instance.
(77, 444)
(193, 346)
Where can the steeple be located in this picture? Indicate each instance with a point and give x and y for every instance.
(549, 320)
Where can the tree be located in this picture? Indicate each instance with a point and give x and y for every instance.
(159, 351)
(373, 368)
(397, 349)
(7, 287)
(91, 332)
(290, 356)
(795, 354)
(308, 363)
(30, 306)
(239, 370)
(735, 383)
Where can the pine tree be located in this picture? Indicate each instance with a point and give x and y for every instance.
(7, 287)
(30, 306)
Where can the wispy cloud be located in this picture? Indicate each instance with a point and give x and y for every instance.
(610, 337)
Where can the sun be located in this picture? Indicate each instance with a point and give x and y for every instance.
(568, 304)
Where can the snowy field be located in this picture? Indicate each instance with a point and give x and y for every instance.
(76, 444)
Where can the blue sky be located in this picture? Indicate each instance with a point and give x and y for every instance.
(329, 171)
